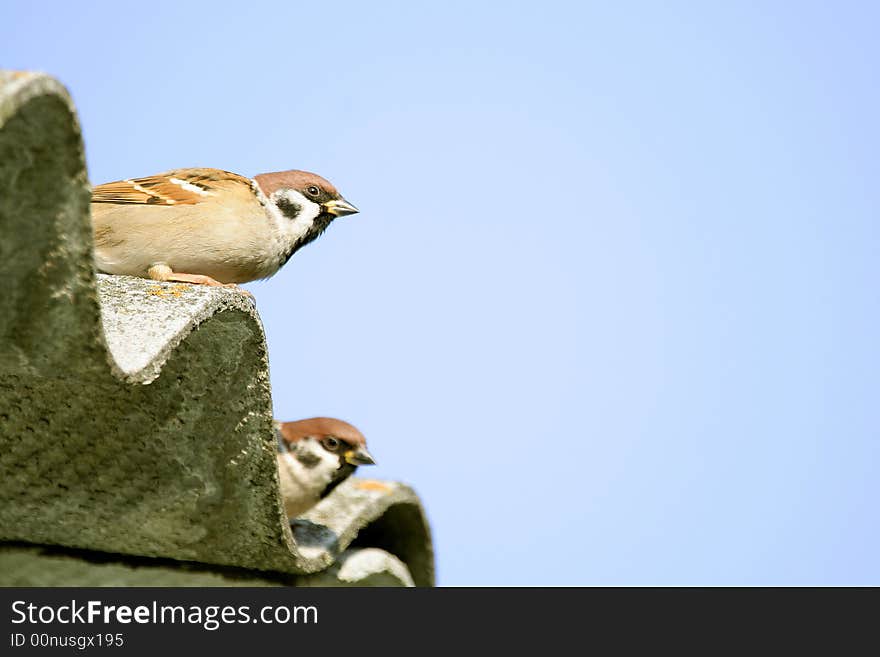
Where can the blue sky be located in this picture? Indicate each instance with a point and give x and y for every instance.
(611, 304)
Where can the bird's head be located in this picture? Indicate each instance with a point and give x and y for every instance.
(320, 453)
(306, 200)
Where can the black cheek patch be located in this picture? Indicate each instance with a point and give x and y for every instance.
(288, 208)
(307, 459)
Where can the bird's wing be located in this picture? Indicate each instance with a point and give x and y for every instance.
(176, 187)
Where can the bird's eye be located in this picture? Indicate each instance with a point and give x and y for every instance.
(312, 190)
(331, 443)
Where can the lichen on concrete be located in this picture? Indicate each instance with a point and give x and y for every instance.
(136, 416)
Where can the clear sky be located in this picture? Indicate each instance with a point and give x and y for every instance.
(611, 304)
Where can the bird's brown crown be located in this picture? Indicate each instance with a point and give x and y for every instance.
(294, 179)
(322, 427)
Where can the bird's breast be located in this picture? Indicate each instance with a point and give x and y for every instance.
(233, 243)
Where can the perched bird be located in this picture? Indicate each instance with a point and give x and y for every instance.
(209, 226)
(314, 457)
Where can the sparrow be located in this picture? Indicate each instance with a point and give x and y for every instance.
(314, 457)
(209, 226)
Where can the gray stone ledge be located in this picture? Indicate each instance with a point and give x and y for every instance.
(144, 321)
(24, 565)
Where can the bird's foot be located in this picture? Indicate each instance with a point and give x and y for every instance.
(164, 273)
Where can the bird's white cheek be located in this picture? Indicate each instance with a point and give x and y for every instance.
(300, 483)
(285, 232)
(294, 229)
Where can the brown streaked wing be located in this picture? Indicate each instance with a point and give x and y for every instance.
(192, 186)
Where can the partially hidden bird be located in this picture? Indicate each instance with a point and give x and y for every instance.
(315, 456)
(210, 226)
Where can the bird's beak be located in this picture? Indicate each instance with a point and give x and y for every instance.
(359, 456)
(339, 207)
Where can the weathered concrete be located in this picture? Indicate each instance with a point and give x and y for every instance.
(136, 417)
(28, 565)
(367, 567)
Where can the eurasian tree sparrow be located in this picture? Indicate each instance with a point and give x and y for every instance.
(209, 226)
(314, 457)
